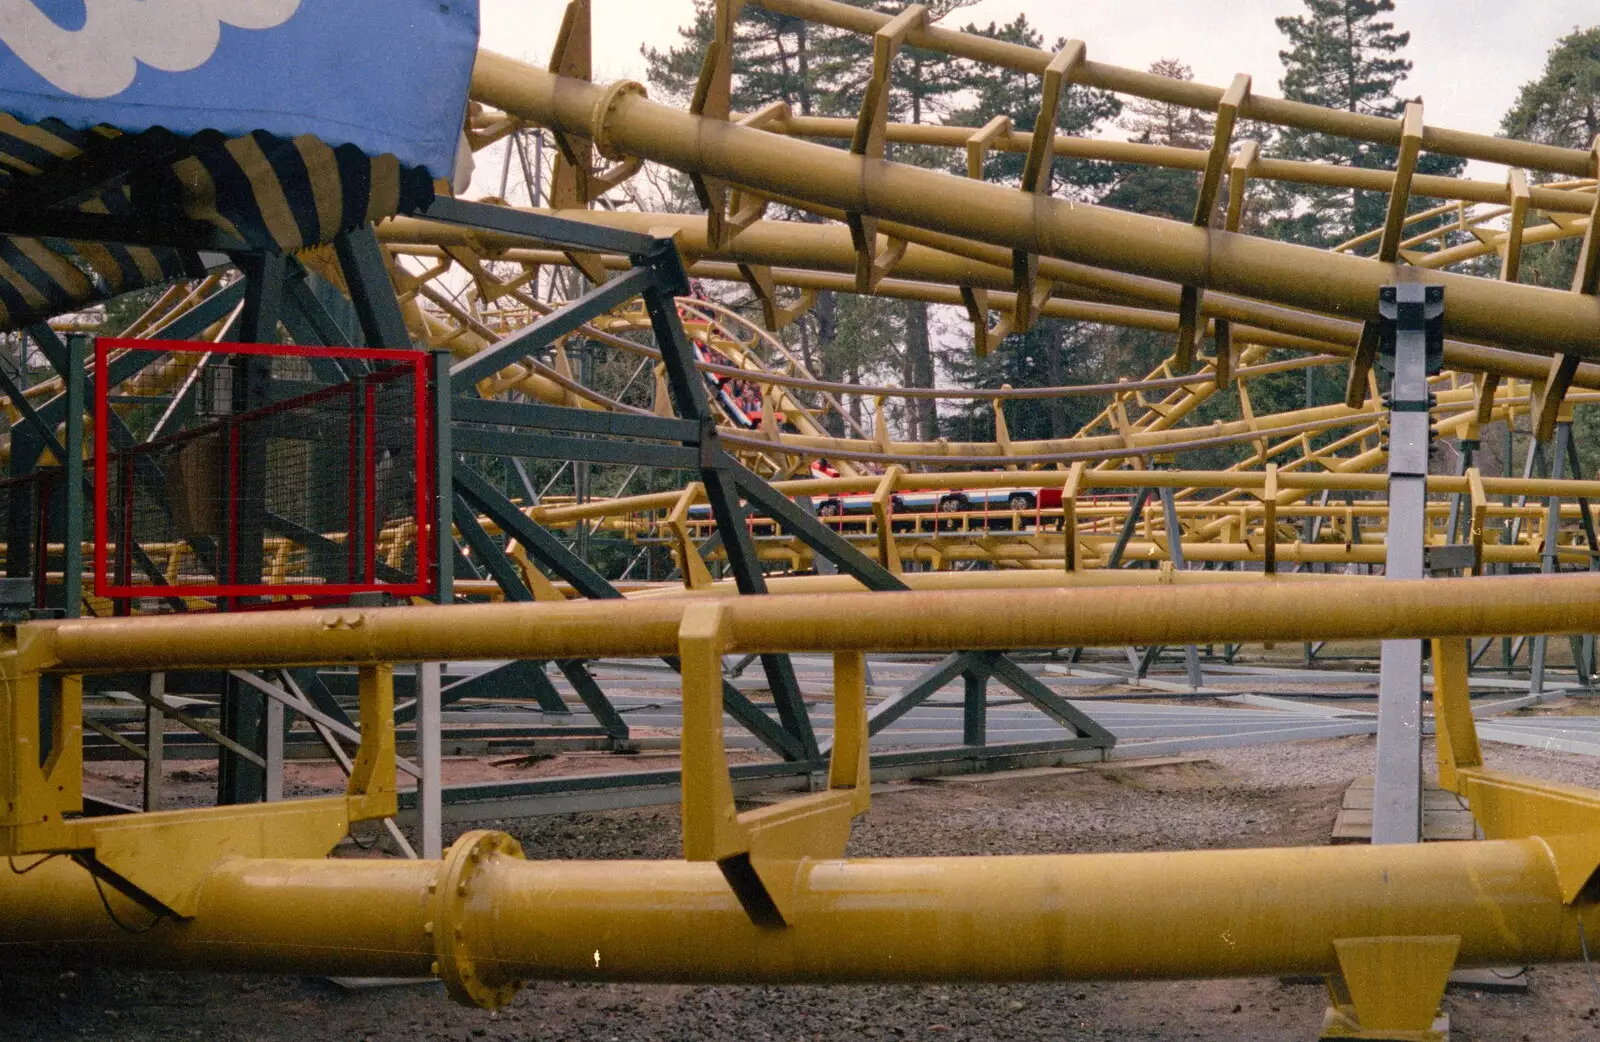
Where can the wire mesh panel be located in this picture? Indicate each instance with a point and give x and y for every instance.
(260, 474)
(32, 518)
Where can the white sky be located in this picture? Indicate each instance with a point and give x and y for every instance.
(1470, 56)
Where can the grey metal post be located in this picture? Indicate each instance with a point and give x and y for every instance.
(244, 709)
(582, 474)
(536, 190)
(975, 706)
(155, 754)
(73, 529)
(1533, 464)
(1169, 507)
(1549, 553)
(444, 544)
(430, 810)
(1584, 647)
(276, 721)
(820, 562)
(1411, 312)
(1466, 450)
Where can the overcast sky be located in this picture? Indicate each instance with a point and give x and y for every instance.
(1470, 56)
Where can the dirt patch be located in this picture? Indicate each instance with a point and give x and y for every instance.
(1266, 796)
(1586, 705)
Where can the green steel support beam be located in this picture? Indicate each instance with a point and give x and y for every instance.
(73, 522)
(537, 228)
(551, 552)
(367, 277)
(445, 549)
(544, 331)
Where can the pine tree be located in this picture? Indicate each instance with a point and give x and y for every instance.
(1562, 107)
(1166, 123)
(774, 55)
(1053, 352)
(821, 70)
(1161, 191)
(922, 86)
(1000, 91)
(1343, 55)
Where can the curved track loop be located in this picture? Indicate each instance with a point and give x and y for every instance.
(1263, 307)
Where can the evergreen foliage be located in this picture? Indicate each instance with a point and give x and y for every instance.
(1562, 107)
(997, 91)
(1342, 54)
(1157, 190)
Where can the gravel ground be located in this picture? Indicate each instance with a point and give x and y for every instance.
(1263, 796)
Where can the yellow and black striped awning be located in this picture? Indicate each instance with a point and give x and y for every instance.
(132, 210)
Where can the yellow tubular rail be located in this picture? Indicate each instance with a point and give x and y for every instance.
(1510, 315)
(826, 622)
(1064, 917)
(485, 920)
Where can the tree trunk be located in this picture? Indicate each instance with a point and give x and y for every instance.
(1055, 372)
(856, 412)
(908, 378)
(827, 312)
(922, 415)
(803, 54)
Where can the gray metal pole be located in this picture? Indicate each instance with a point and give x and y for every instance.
(430, 808)
(1549, 554)
(444, 545)
(537, 188)
(1466, 448)
(582, 477)
(274, 749)
(1397, 788)
(975, 706)
(74, 528)
(1169, 506)
(155, 754)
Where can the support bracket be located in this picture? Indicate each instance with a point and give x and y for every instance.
(1389, 988)
(763, 854)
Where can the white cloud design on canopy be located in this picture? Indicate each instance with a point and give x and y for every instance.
(102, 57)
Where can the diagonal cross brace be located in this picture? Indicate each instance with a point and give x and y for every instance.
(505, 574)
(556, 556)
(1035, 691)
(467, 372)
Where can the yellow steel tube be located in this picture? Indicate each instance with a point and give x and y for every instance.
(827, 248)
(1575, 162)
(797, 584)
(1287, 170)
(1523, 316)
(1028, 554)
(298, 916)
(934, 293)
(1291, 481)
(914, 621)
(1152, 915)
(1151, 440)
(1162, 915)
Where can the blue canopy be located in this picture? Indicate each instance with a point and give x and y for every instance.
(387, 77)
(134, 133)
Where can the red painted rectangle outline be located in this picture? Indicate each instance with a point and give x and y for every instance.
(420, 364)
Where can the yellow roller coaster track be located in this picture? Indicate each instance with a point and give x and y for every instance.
(766, 895)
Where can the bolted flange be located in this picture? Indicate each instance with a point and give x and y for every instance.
(454, 961)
